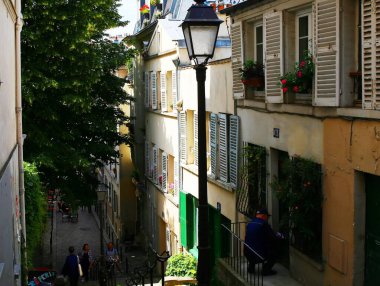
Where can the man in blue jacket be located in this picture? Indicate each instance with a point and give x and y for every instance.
(261, 238)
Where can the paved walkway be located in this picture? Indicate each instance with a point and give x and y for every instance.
(60, 234)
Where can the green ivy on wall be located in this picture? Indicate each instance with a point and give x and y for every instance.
(35, 210)
(300, 191)
(252, 190)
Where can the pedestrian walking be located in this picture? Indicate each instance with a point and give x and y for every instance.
(86, 259)
(71, 267)
(112, 255)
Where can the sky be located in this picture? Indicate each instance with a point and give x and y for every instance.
(129, 11)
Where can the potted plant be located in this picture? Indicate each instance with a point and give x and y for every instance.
(145, 10)
(299, 80)
(154, 2)
(220, 6)
(252, 74)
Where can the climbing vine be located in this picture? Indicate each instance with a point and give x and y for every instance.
(300, 192)
(252, 190)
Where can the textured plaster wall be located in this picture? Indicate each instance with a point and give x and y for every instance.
(7, 87)
(349, 147)
(299, 135)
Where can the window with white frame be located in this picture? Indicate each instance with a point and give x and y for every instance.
(224, 143)
(258, 42)
(303, 34)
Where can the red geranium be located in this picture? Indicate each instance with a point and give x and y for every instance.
(296, 88)
(299, 74)
(284, 89)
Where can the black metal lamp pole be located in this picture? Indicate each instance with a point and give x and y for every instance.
(200, 30)
(204, 262)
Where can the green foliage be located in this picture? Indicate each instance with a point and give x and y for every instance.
(35, 209)
(301, 193)
(251, 69)
(300, 80)
(182, 265)
(71, 93)
(253, 179)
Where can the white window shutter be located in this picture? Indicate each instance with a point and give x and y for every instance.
(176, 177)
(146, 89)
(164, 102)
(272, 28)
(147, 163)
(155, 165)
(213, 143)
(164, 172)
(370, 54)
(234, 147)
(174, 89)
(326, 84)
(168, 239)
(153, 78)
(223, 147)
(182, 131)
(237, 59)
(196, 138)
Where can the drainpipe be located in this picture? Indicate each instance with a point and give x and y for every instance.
(19, 24)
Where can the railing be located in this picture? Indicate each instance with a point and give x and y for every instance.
(145, 272)
(236, 259)
(103, 271)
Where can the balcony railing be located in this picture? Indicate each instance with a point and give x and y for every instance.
(236, 259)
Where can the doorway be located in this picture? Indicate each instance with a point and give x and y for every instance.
(372, 229)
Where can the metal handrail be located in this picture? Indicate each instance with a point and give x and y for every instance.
(238, 262)
(140, 273)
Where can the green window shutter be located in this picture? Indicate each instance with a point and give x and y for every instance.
(191, 219)
(183, 218)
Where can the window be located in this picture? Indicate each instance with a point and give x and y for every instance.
(303, 34)
(224, 142)
(258, 39)
(253, 194)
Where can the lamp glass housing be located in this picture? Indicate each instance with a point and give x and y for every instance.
(101, 193)
(200, 30)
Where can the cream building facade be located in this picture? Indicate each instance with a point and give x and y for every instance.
(11, 178)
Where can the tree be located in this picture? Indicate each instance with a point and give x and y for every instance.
(70, 90)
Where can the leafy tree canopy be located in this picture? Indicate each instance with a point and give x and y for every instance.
(70, 89)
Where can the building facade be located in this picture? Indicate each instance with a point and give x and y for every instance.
(330, 120)
(11, 184)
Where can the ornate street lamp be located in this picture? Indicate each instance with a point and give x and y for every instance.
(200, 29)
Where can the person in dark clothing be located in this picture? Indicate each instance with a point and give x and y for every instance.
(85, 260)
(70, 268)
(264, 241)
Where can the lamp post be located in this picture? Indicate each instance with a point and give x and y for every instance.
(200, 29)
(101, 193)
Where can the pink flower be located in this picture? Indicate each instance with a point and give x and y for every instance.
(283, 81)
(284, 89)
(296, 88)
(302, 64)
(299, 74)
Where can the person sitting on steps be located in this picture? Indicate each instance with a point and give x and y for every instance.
(264, 241)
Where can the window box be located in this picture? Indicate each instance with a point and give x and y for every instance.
(257, 82)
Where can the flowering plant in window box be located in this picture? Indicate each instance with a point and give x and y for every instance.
(171, 188)
(154, 2)
(252, 74)
(144, 9)
(301, 79)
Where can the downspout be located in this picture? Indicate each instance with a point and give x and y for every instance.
(19, 24)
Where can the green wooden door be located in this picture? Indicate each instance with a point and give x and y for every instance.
(372, 240)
